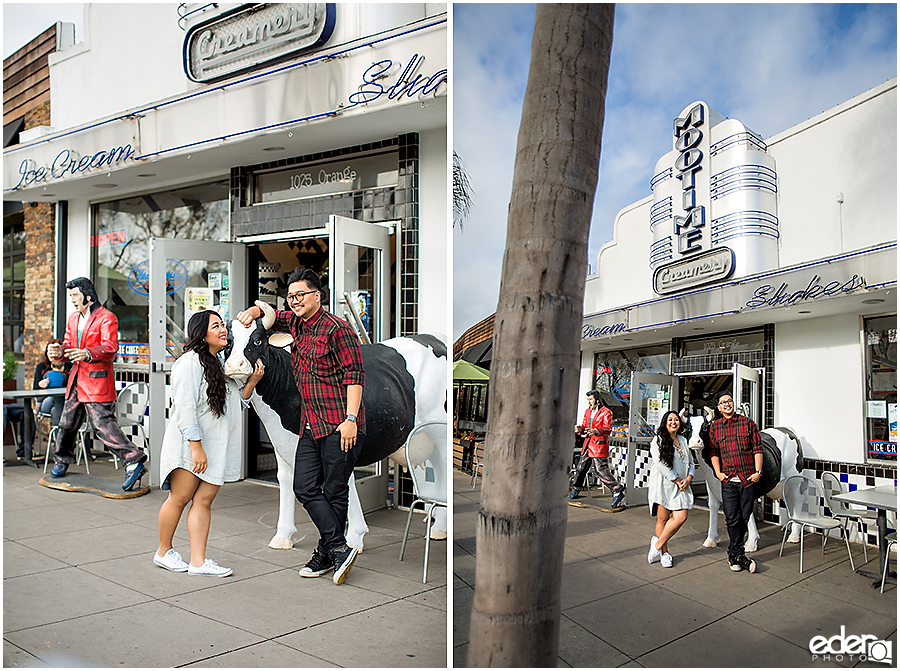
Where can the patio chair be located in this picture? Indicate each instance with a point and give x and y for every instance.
(477, 462)
(891, 540)
(39, 428)
(832, 485)
(80, 442)
(429, 486)
(800, 494)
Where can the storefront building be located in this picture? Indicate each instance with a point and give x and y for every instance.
(196, 158)
(771, 272)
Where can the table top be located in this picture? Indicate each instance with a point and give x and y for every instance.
(884, 497)
(34, 393)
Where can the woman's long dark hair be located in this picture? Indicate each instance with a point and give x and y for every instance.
(666, 446)
(212, 367)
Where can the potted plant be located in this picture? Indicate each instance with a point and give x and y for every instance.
(10, 367)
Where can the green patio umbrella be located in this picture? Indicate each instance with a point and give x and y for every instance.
(463, 371)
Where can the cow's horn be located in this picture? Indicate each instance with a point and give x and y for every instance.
(268, 314)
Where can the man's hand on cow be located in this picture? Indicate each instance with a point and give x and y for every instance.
(246, 317)
(348, 431)
(77, 354)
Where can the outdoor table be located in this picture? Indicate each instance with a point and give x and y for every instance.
(26, 395)
(881, 498)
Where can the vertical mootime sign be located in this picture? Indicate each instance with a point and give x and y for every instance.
(714, 212)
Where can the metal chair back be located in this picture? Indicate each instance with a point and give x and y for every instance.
(428, 471)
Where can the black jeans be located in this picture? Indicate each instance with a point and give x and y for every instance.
(15, 413)
(737, 504)
(321, 471)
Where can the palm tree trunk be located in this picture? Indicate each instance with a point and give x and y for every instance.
(535, 370)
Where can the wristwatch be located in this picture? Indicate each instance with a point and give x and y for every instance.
(351, 418)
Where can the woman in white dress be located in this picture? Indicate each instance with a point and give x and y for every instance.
(202, 444)
(669, 493)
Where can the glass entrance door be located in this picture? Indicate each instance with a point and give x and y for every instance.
(360, 285)
(186, 276)
(746, 392)
(359, 256)
(650, 397)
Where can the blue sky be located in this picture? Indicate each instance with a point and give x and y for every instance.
(772, 66)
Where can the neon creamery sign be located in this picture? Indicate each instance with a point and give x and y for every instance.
(252, 36)
(68, 162)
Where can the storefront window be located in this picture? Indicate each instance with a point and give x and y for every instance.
(123, 229)
(13, 282)
(612, 373)
(472, 403)
(881, 388)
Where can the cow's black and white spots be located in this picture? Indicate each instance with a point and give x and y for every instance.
(782, 458)
(406, 385)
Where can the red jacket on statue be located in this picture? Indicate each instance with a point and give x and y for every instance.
(94, 379)
(597, 445)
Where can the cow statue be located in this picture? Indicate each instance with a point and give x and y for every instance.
(782, 458)
(406, 386)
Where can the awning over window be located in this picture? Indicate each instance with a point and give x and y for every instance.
(11, 131)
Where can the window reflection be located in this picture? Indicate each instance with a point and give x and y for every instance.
(881, 388)
(123, 230)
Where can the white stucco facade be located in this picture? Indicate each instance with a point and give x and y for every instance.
(133, 117)
(836, 209)
(125, 86)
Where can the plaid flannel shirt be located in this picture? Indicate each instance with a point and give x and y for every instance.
(325, 358)
(735, 440)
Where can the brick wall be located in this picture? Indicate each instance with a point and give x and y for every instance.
(40, 265)
(40, 262)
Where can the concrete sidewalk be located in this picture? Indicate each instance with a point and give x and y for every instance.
(80, 588)
(618, 610)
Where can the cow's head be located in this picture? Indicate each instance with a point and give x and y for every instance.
(247, 344)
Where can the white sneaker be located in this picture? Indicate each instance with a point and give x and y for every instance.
(653, 555)
(666, 560)
(209, 568)
(171, 560)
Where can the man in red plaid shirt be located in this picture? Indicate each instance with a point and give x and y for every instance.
(737, 459)
(328, 369)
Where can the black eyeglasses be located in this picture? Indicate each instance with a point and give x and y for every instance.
(295, 298)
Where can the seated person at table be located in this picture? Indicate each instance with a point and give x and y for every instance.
(53, 379)
(15, 412)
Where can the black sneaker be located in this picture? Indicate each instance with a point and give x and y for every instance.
(343, 558)
(319, 564)
(734, 564)
(746, 563)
